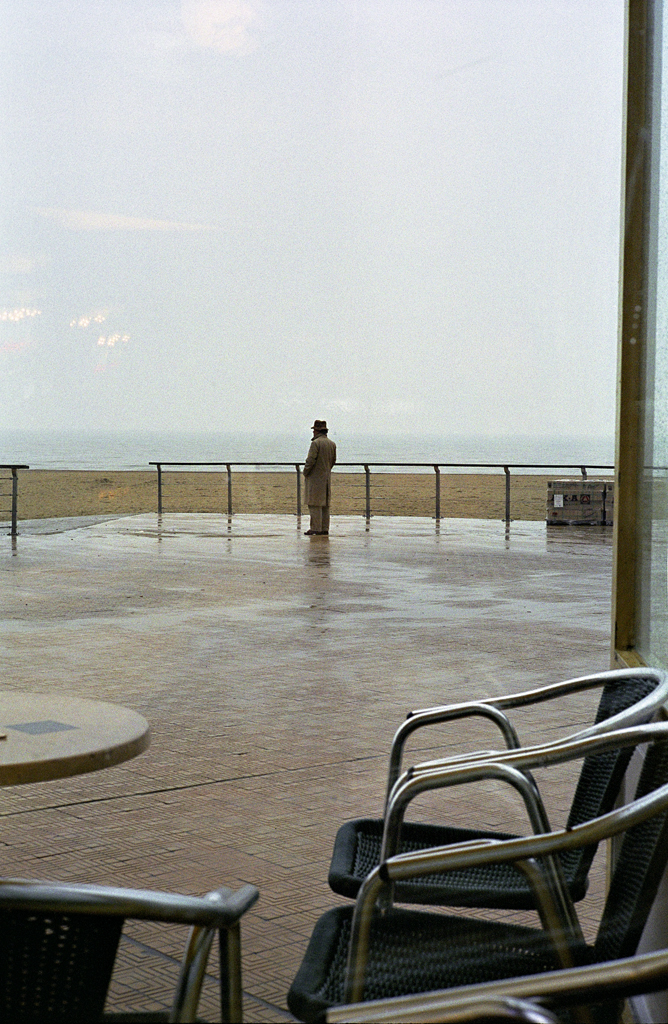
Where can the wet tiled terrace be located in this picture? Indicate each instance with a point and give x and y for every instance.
(273, 669)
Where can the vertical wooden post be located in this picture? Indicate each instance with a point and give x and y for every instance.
(633, 328)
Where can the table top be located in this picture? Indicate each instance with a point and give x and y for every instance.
(52, 736)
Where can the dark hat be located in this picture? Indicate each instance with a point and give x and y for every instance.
(319, 425)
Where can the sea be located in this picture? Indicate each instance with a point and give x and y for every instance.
(133, 450)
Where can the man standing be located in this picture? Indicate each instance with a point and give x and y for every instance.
(318, 475)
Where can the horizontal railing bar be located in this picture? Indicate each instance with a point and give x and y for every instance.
(430, 465)
(475, 465)
(368, 466)
(253, 463)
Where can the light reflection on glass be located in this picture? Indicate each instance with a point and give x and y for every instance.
(15, 315)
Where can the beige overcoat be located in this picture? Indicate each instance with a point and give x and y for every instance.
(318, 470)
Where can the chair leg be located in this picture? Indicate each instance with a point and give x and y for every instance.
(231, 993)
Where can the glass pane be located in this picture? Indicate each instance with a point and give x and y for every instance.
(238, 215)
(653, 510)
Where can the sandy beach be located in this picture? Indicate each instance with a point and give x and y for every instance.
(47, 494)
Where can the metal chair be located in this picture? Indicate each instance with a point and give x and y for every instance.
(628, 697)
(363, 953)
(58, 945)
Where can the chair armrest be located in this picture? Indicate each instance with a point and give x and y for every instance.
(436, 1008)
(218, 909)
(439, 774)
(565, 687)
(234, 901)
(639, 712)
(463, 855)
(513, 766)
(434, 716)
(413, 785)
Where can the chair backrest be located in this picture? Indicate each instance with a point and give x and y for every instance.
(55, 966)
(601, 774)
(629, 697)
(58, 943)
(638, 870)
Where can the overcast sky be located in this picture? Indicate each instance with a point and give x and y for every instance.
(235, 214)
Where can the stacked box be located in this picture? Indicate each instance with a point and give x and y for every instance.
(576, 502)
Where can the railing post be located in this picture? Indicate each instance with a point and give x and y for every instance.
(159, 488)
(437, 471)
(15, 497)
(229, 488)
(506, 470)
(583, 470)
(367, 473)
(299, 490)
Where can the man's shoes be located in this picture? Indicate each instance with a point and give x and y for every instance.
(310, 533)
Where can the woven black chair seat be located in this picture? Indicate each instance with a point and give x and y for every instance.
(413, 951)
(498, 886)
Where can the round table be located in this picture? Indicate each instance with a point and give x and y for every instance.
(51, 736)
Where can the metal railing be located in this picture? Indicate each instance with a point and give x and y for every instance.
(13, 493)
(367, 466)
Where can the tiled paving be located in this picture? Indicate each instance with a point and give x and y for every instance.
(273, 669)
